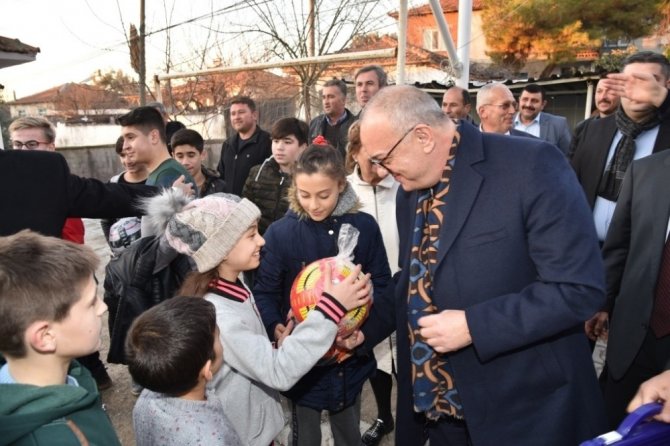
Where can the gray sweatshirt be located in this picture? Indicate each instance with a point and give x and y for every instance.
(253, 370)
(163, 420)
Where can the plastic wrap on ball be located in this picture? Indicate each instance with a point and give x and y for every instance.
(307, 289)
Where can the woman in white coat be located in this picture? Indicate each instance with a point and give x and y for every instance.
(377, 195)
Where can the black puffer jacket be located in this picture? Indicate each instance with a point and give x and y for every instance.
(145, 274)
(267, 187)
(213, 182)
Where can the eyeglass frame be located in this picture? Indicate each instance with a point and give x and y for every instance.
(17, 145)
(380, 162)
(506, 105)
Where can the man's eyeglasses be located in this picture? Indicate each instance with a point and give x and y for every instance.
(506, 105)
(30, 145)
(380, 162)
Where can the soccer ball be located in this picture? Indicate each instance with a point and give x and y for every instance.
(308, 286)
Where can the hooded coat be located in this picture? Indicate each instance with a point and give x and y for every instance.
(331, 387)
(144, 274)
(55, 415)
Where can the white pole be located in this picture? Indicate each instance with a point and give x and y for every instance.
(402, 43)
(589, 99)
(373, 54)
(443, 27)
(158, 94)
(464, 26)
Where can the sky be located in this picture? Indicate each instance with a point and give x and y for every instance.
(78, 37)
(74, 40)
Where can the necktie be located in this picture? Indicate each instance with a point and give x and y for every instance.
(660, 316)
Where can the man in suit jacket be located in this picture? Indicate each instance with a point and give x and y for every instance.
(491, 299)
(532, 119)
(638, 347)
(604, 151)
(39, 193)
(496, 107)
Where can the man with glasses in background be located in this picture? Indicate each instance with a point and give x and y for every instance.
(496, 107)
(37, 133)
(499, 270)
(532, 119)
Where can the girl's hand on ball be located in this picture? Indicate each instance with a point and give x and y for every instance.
(352, 292)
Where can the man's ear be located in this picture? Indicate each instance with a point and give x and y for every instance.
(425, 137)
(40, 336)
(154, 136)
(206, 371)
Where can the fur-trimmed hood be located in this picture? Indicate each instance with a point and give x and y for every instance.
(347, 203)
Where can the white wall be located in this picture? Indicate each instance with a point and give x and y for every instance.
(84, 135)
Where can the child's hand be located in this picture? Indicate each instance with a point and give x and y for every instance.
(350, 342)
(279, 330)
(288, 328)
(186, 188)
(352, 292)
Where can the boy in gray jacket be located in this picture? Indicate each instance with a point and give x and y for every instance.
(174, 351)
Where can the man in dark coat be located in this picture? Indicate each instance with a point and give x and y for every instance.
(608, 145)
(500, 269)
(637, 261)
(606, 103)
(39, 193)
(248, 147)
(336, 119)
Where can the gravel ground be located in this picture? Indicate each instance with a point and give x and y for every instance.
(119, 400)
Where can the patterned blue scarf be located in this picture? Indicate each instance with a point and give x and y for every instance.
(435, 393)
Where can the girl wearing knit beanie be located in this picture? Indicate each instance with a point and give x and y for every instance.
(220, 234)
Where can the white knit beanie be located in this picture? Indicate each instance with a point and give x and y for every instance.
(208, 228)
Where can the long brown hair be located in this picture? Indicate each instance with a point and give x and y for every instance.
(353, 147)
(196, 284)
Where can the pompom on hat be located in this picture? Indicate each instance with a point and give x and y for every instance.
(205, 229)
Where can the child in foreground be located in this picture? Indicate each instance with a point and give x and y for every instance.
(220, 234)
(173, 351)
(50, 315)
